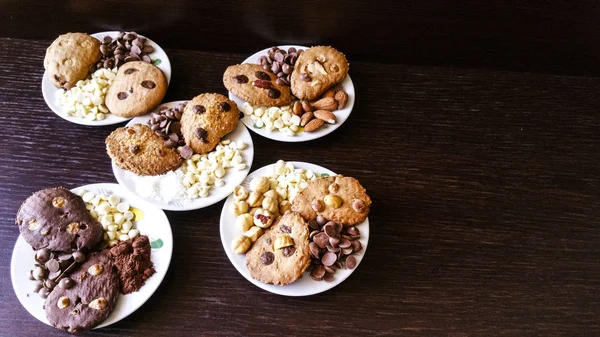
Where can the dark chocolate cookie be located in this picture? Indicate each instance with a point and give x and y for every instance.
(57, 219)
(90, 299)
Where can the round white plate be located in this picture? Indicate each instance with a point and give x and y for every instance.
(304, 286)
(49, 91)
(154, 224)
(232, 178)
(341, 115)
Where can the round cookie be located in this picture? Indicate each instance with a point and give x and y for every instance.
(270, 264)
(138, 88)
(56, 218)
(69, 57)
(91, 298)
(340, 199)
(206, 119)
(316, 70)
(253, 84)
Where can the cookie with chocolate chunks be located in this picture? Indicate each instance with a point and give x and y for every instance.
(140, 150)
(56, 218)
(281, 254)
(137, 89)
(317, 69)
(251, 83)
(90, 298)
(206, 119)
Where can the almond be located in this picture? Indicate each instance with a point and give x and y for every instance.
(297, 109)
(325, 115)
(329, 93)
(306, 118)
(306, 106)
(342, 98)
(313, 125)
(326, 103)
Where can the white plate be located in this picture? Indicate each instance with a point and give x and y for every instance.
(304, 286)
(154, 224)
(341, 115)
(49, 90)
(232, 178)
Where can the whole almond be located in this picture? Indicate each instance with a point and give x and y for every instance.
(306, 118)
(313, 125)
(306, 106)
(342, 98)
(326, 103)
(329, 93)
(297, 109)
(325, 115)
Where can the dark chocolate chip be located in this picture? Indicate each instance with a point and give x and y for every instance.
(261, 75)
(130, 71)
(79, 257)
(201, 134)
(267, 258)
(288, 251)
(321, 240)
(42, 255)
(66, 283)
(314, 249)
(44, 293)
(224, 106)
(122, 95)
(351, 262)
(148, 84)
(274, 93)
(53, 266)
(241, 79)
(313, 224)
(285, 229)
(328, 277)
(199, 109)
(318, 272)
(187, 152)
(321, 220)
(134, 149)
(328, 259)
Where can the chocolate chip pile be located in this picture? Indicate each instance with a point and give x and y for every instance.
(52, 269)
(126, 47)
(166, 124)
(281, 63)
(331, 246)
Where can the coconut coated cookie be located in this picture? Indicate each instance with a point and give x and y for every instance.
(253, 84)
(69, 57)
(317, 69)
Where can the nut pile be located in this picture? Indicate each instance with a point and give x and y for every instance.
(315, 114)
(273, 118)
(116, 216)
(166, 124)
(331, 246)
(281, 63)
(51, 270)
(126, 47)
(86, 99)
(201, 172)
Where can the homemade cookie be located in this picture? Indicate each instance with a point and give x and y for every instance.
(317, 69)
(253, 84)
(139, 150)
(340, 199)
(206, 119)
(56, 218)
(69, 57)
(91, 298)
(138, 88)
(281, 255)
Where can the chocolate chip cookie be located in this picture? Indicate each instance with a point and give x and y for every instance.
(138, 88)
(281, 255)
(139, 150)
(340, 199)
(90, 299)
(253, 84)
(206, 119)
(318, 69)
(56, 218)
(69, 57)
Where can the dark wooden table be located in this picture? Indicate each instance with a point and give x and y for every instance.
(485, 217)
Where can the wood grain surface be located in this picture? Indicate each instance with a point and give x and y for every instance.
(485, 188)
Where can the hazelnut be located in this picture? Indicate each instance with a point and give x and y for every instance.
(255, 199)
(260, 184)
(58, 202)
(239, 207)
(241, 244)
(73, 227)
(334, 188)
(284, 207)
(63, 302)
(283, 241)
(33, 225)
(270, 204)
(240, 193)
(45, 231)
(333, 201)
(263, 218)
(99, 303)
(244, 221)
(317, 205)
(359, 206)
(96, 269)
(254, 233)
(271, 194)
(253, 210)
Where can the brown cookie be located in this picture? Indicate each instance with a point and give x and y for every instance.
(340, 199)
(69, 57)
(139, 150)
(89, 301)
(206, 119)
(56, 218)
(316, 70)
(138, 88)
(251, 83)
(269, 262)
